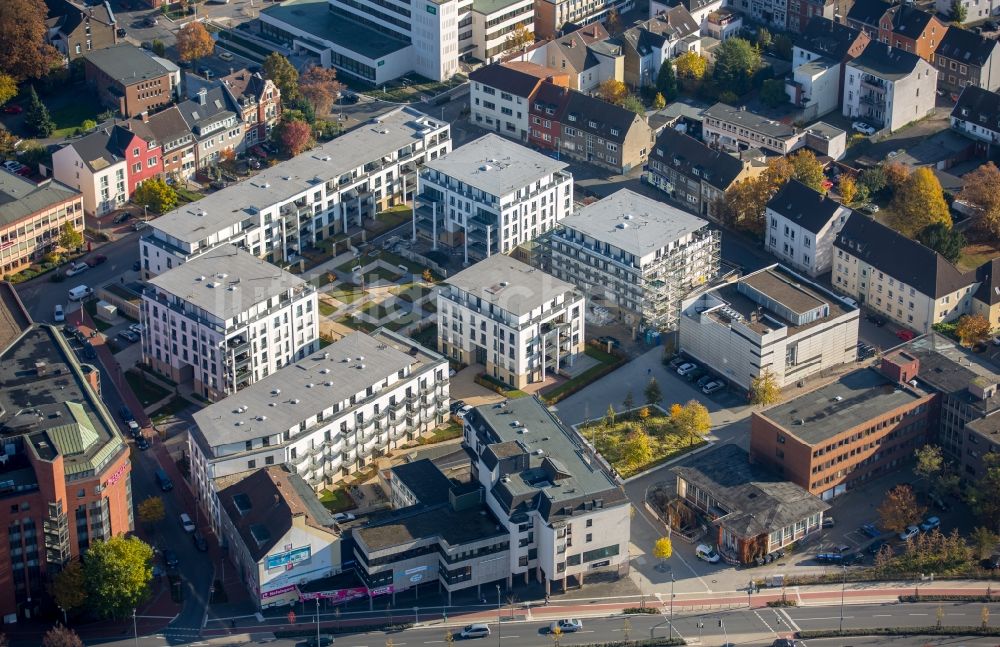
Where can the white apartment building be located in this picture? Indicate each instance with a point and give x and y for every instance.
(226, 320)
(737, 129)
(888, 87)
(499, 95)
(565, 513)
(295, 204)
(517, 321)
(977, 116)
(898, 277)
(492, 22)
(975, 10)
(324, 416)
(802, 225)
(96, 166)
(772, 320)
(638, 254)
(489, 196)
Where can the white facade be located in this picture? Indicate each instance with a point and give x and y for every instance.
(700, 13)
(493, 22)
(889, 101)
(815, 83)
(495, 109)
(975, 10)
(804, 245)
(759, 324)
(491, 195)
(324, 426)
(104, 189)
(739, 129)
(520, 323)
(300, 202)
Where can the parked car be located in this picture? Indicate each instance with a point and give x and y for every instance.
(120, 218)
(170, 559)
(455, 406)
(129, 336)
(609, 340)
(136, 328)
(343, 517)
(712, 387)
(930, 524)
(134, 429)
(460, 414)
(706, 553)
(476, 630)
(13, 166)
(58, 315)
(829, 522)
(875, 547)
(905, 335)
(910, 532)
(186, 523)
(705, 379)
(694, 376)
(94, 261)
(787, 642)
(321, 641)
(139, 224)
(863, 128)
(77, 268)
(142, 442)
(226, 56)
(566, 625)
(992, 562)
(875, 319)
(871, 530)
(870, 208)
(686, 368)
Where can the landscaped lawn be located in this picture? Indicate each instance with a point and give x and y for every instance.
(410, 292)
(608, 363)
(442, 434)
(390, 219)
(664, 441)
(376, 310)
(347, 294)
(147, 392)
(326, 309)
(71, 114)
(336, 500)
(975, 254)
(380, 273)
(186, 195)
(429, 307)
(170, 409)
(91, 308)
(356, 324)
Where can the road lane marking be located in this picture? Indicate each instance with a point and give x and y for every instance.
(882, 615)
(917, 614)
(829, 618)
(788, 619)
(431, 642)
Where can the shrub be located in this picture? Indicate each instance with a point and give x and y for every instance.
(634, 610)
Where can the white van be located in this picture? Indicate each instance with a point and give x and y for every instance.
(80, 292)
(186, 523)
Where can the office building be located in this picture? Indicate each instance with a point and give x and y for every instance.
(518, 322)
(32, 217)
(226, 320)
(556, 17)
(634, 253)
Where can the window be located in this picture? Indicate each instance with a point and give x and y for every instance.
(590, 523)
(589, 538)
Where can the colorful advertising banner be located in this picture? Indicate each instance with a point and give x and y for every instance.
(337, 596)
(288, 557)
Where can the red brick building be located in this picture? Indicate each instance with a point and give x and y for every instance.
(131, 80)
(545, 107)
(260, 101)
(65, 473)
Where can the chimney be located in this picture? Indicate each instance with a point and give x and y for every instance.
(202, 96)
(145, 116)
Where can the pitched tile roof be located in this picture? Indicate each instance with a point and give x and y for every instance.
(965, 46)
(20, 198)
(669, 26)
(806, 207)
(575, 46)
(906, 260)
(582, 109)
(103, 147)
(163, 128)
(885, 62)
(988, 275)
(868, 12)
(908, 20)
(218, 103)
(519, 81)
(827, 38)
(979, 106)
(686, 154)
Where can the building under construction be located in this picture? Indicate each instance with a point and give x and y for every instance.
(635, 254)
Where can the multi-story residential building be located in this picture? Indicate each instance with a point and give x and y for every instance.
(819, 62)
(586, 54)
(603, 134)
(722, 25)
(975, 10)
(694, 175)
(131, 80)
(736, 129)
(900, 25)
(770, 321)
(518, 322)
(555, 497)
(66, 473)
(278, 534)
(259, 100)
(967, 58)
(168, 130)
(636, 254)
(898, 277)
(374, 41)
(75, 29)
(225, 320)
(32, 217)
(888, 87)
(491, 195)
(986, 298)
(106, 166)
(216, 123)
(700, 10)
(752, 511)
(554, 16)
(545, 109)
(500, 94)
(802, 225)
(416, 482)
(492, 23)
(306, 199)
(977, 116)
(660, 38)
(838, 437)
(324, 416)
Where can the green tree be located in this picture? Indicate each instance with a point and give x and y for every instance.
(637, 449)
(36, 118)
(899, 509)
(613, 91)
(69, 237)
(772, 93)
(873, 179)
(609, 416)
(151, 511)
(691, 66)
(156, 194)
(848, 188)
(808, 170)
(628, 402)
(158, 48)
(764, 390)
(736, 60)
(663, 549)
(634, 104)
(984, 541)
(87, 125)
(692, 420)
(782, 47)
(68, 588)
(60, 636)
(666, 81)
(117, 573)
(8, 88)
(520, 38)
(763, 39)
(958, 11)
(972, 329)
(653, 393)
(278, 69)
(930, 462)
(659, 103)
(919, 203)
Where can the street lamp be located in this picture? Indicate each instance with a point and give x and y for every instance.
(671, 620)
(135, 629)
(843, 585)
(318, 643)
(724, 632)
(498, 615)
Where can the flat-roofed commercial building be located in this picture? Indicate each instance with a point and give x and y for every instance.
(772, 320)
(635, 253)
(520, 323)
(226, 320)
(32, 217)
(296, 204)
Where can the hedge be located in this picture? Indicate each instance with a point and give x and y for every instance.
(783, 603)
(632, 610)
(949, 598)
(899, 631)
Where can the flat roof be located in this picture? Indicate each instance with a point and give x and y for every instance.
(314, 17)
(423, 478)
(488, 7)
(422, 523)
(633, 222)
(20, 198)
(226, 281)
(234, 204)
(127, 63)
(309, 386)
(854, 399)
(495, 165)
(782, 289)
(510, 284)
(750, 120)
